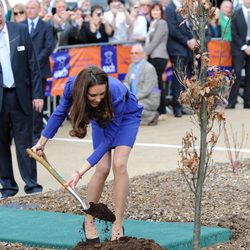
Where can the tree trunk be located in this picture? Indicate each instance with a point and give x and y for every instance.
(203, 134)
(200, 179)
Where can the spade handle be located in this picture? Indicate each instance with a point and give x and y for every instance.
(44, 161)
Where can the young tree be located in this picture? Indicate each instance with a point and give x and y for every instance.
(205, 92)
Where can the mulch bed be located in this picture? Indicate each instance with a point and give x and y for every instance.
(165, 196)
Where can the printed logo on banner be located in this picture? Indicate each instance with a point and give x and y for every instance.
(108, 59)
(61, 64)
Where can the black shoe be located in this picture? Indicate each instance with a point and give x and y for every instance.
(178, 113)
(154, 121)
(230, 106)
(187, 112)
(7, 195)
(120, 236)
(91, 241)
(34, 190)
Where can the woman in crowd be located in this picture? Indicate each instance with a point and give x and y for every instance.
(114, 114)
(77, 17)
(156, 49)
(97, 30)
(138, 29)
(213, 28)
(119, 19)
(18, 13)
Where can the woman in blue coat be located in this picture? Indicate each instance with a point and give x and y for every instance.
(114, 114)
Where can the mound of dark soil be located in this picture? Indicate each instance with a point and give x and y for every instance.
(125, 243)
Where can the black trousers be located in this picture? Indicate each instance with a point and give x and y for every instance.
(238, 64)
(38, 119)
(160, 65)
(180, 64)
(13, 119)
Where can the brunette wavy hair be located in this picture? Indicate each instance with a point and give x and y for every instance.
(81, 111)
(156, 4)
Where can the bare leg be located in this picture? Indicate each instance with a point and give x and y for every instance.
(94, 191)
(120, 188)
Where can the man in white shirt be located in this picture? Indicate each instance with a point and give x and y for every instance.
(20, 93)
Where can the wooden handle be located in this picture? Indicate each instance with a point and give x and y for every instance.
(44, 161)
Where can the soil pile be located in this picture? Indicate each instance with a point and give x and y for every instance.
(125, 243)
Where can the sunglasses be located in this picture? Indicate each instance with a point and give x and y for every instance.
(18, 13)
(134, 53)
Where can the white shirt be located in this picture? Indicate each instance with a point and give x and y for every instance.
(6, 36)
(121, 27)
(177, 4)
(245, 13)
(3, 57)
(35, 21)
(139, 28)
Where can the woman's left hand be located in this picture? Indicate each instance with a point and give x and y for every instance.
(77, 175)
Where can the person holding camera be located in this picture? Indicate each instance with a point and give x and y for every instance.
(138, 29)
(63, 24)
(97, 30)
(120, 20)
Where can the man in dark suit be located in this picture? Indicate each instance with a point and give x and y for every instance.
(43, 40)
(241, 53)
(181, 42)
(20, 92)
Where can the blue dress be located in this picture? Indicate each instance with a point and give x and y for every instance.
(121, 131)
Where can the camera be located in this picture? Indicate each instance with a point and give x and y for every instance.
(98, 14)
(117, 6)
(136, 7)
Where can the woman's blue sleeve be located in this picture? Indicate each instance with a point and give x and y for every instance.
(61, 112)
(110, 132)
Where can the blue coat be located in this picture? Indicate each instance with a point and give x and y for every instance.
(122, 130)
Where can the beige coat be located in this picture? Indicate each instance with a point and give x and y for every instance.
(156, 42)
(148, 93)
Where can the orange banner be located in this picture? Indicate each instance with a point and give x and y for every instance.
(113, 59)
(219, 52)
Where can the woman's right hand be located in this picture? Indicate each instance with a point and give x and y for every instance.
(77, 175)
(73, 180)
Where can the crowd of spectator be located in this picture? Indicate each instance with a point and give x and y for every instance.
(154, 24)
